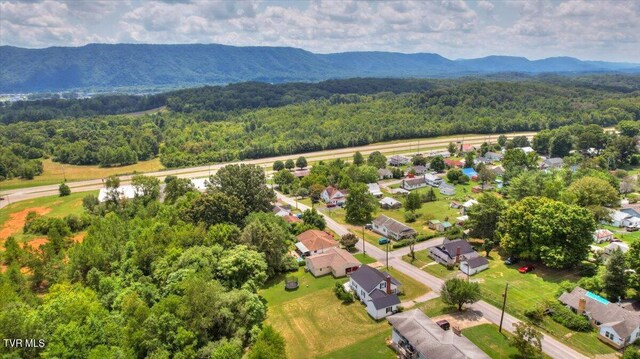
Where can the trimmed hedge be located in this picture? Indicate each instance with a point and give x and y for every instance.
(569, 319)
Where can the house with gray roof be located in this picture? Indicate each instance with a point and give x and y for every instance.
(413, 183)
(551, 163)
(494, 156)
(384, 173)
(377, 290)
(447, 189)
(398, 160)
(616, 325)
(391, 228)
(414, 335)
(390, 203)
(452, 252)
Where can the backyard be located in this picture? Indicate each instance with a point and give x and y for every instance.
(491, 341)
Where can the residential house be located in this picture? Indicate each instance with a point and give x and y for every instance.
(526, 150)
(498, 170)
(453, 163)
(494, 156)
(391, 228)
(617, 218)
(418, 170)
(314, 241)
(413, 183)
(483, 160)
(377, 290)
(291, 219)
(616, 325)
(447, 189)
(602, 235)
(464, 148)
(334, 196)
(468, 204)
(300, 173)
(281, 210)
(481, 188)
(631, 209)
(200, 184)
(435, 224)
(471, 173)
(446, 225)
(398, 160)
(614, 246)
(336, 261)
(552, 163)
(384, 173)
(460, 221)
(452, 252)
(374, 189)
(432, 180)
(390, 203)
(474, 265)
(122, 192)
(414, 335)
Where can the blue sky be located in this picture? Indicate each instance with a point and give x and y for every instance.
(592, 30)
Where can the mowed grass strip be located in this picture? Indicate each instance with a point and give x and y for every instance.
(53, 173)
(491, 341)
(369, 348)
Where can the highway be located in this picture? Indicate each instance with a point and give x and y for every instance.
(413, 146)
(550, 345)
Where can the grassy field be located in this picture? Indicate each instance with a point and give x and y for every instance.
(435, 307)
(12, 217)
(411, 288)
(368, 348)
(54, 173)
(365, 259)
(492, 342)
(428, 265)
(307, 318)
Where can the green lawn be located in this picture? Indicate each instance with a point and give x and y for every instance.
(411, 288)
(491, 341)
(428, 265)
(364, 259)
(435, 307)
(372, 348)
(308, 317)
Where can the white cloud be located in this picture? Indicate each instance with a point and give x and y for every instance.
(606, 30)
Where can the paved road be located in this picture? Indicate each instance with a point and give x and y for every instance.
(21, 194)
(550, 346)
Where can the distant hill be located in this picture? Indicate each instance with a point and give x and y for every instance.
(104, 66)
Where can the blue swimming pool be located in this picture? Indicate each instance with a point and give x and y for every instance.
(597, 297)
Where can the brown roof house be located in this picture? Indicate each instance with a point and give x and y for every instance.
(313, 241)
(336, 261)
(616, 325)
(391, 228)
(334, 196)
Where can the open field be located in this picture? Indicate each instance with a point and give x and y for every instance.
(12, 217)
(308, 319)
(491, 341)
(55, 174)
(368, 348)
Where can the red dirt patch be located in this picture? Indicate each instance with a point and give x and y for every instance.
(37, 242)
(78, 238)
(16, 221)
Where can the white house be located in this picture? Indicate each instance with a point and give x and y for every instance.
(616, 325)
(333, 195)
(618, 218)
(602, 235)
(384, 173)
(391, 228)
(122, 192)
(526, 149)
(468, 204)
(377, 290)
(413, 183)
(281, 211)
(200, 183)
(474, 265)
(494, 156)
(432, 180)
(416, 336)
(389, 203)
(315, 241)
(398, 160)
(374, 189)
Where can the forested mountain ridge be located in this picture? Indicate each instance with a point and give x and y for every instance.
(129, 65)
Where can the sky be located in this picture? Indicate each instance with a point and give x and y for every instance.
(589, 30)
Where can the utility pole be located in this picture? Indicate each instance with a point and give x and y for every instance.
(504, 304)
(64, 174)
(364, 251)
(388, 254)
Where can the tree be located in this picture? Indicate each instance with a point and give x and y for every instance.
(542, 140)
(468, 159)
(520, 141)
(278, 166)
(349, 241)
(451, 148)
(486, 175)
(591, 191)
(176, 188)
(146, 187)
(214, 207)
(535, 183)
(269, 344)
(527, 340)
(267, 234)
(315, 191)
(614, 279)
(458, 292)
(437, 164)
(628, 128)
(502, 140)
(456, 176)
(248, 184)
(242, 268)
(485, 215)
(283, 178)
(301, 162)
(419, 160)
(289, 164)
(377, 160)
(358, 159)
(561, 143)
(539, 228)
(413, 202)
(360, 206)
(64, 190)
(312, 218)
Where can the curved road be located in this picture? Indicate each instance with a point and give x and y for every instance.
(21, 194)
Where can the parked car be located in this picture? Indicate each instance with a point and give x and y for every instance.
(368, 226)
(331, 205)
(511, 260)
(299, 215)
(613, 240)
(631, 229)
(383, 240)
(526, 269)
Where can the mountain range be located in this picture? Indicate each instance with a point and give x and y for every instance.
(104, 66)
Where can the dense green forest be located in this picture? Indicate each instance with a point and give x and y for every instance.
(252, 120)
(150, 279)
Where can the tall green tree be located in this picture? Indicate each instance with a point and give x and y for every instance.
(278, 166)
(485, 215)
(248, 184)
(437, 164)
(413, 202)
(614, 279)
(268, 234)
(301, 162)
(146, 187)
(527, 340)
(289, 164)
(377, 160)
(358, 159)
(312, 218)
(215, 207)
(176, 188)
(269, 344)
(64, 190)
(458, 292)
(360, 206)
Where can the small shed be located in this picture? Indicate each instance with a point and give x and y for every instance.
(474, 265)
